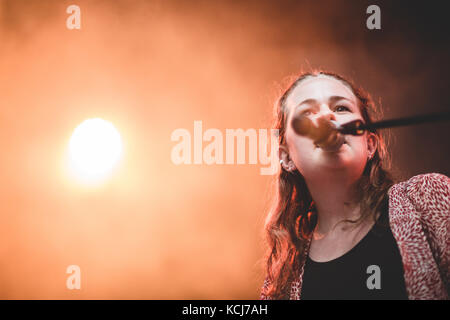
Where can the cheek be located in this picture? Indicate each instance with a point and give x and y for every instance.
(298, 144)
(358, 145)
(301, 149)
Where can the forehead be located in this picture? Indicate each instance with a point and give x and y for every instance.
(319, 88)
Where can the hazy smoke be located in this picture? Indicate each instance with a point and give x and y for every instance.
(157, 230)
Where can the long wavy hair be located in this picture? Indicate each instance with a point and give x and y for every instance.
(293, 217)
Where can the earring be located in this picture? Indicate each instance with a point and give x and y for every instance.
(281, 161)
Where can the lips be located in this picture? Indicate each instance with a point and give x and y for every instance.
(332, 150)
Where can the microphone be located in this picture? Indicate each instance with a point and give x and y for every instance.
(329, 134)
(325, 135)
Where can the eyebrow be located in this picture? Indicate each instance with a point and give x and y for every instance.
(330, 99)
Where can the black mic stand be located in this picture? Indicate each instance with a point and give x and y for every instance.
(357, 127)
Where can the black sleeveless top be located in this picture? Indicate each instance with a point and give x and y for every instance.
(371, 270)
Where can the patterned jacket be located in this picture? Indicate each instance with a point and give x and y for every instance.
(419, 217)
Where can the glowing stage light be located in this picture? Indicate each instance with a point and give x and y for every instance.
(95, 148)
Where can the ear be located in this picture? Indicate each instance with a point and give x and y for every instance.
(283, 154)
(372, 143)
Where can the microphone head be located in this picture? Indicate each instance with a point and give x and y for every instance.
(326, 132)
(325, 135)
(302, 125)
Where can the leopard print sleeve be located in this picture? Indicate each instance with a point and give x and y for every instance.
(430, 194)
(263, 295)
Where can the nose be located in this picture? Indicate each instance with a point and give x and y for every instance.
(329, 116)
(325, 113)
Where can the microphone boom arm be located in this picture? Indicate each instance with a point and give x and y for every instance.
(357, 127)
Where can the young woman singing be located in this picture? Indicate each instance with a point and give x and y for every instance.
(341, 227)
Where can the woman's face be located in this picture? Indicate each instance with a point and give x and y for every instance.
(325, 96)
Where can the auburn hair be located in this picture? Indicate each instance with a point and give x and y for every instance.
(293, 217)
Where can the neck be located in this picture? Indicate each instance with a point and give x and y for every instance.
(335, 199)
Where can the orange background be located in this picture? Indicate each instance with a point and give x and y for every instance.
(156, 230)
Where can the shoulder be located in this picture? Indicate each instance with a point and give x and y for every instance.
(425, 190)
(430, 192)
(425, 197)
(428, 184)
(420, 208)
